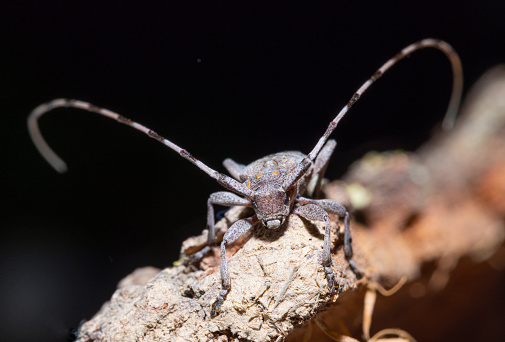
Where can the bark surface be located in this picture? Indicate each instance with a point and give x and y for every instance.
(435, 217)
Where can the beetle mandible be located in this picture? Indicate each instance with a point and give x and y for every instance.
(274, 185)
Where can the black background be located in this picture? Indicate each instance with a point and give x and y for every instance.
(219, 79)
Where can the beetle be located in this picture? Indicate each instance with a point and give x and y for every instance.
(274, 186)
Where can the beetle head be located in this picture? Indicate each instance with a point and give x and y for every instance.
(272, 204)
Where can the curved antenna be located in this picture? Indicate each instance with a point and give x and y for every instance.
(450, 116)
(59, 165)
(457, 87)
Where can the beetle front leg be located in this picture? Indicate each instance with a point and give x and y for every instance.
(223, 198)
(314, 212)
(237, 229)
(340, 210)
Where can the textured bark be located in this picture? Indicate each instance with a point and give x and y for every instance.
(418, 216)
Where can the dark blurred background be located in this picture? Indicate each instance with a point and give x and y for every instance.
(221, 80)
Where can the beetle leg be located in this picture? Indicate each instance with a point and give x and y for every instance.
(340, 210)
(237, 229)
(223, 198)
(315, 212)
(235, 169)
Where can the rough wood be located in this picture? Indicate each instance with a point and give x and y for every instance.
(418, 215)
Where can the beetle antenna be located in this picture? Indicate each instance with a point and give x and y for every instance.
(59, 165)
(457, 87)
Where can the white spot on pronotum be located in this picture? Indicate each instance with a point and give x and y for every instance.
(198, 60)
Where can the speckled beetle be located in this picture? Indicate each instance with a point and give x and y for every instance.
(274, 185)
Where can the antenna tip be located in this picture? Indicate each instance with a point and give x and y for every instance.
(60, 166)
(448, 123)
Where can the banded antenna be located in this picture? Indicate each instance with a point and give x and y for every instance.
(59, 165)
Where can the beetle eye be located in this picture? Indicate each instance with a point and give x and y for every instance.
(253, 203)
(286, 199)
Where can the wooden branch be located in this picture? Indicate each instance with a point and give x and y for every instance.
(418, 214)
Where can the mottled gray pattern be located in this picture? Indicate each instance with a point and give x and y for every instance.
(277, 182)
